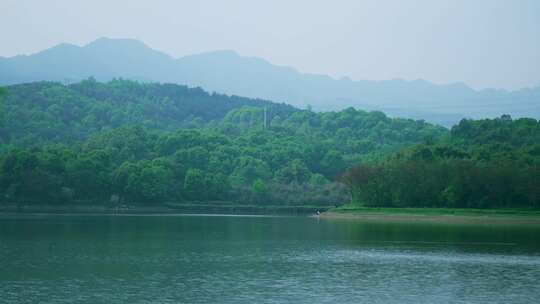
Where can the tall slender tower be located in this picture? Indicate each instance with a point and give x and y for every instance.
(264, 123)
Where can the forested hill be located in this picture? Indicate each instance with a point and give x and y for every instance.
(49, 111)
(155, 143)
(489, 163)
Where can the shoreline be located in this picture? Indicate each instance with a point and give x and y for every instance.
(388, 215)
(162, 210)
(435, 216)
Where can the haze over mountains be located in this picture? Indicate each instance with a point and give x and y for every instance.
(227, 72)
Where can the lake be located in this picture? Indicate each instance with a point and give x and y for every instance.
(256, 259)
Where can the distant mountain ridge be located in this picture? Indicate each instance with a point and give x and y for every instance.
(229, 73)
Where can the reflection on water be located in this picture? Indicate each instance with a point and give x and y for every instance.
(209, 259)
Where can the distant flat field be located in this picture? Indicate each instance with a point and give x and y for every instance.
(437, 215)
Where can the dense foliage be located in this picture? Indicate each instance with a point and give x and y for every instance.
(491, 163)
(44, 112)
(123, 141)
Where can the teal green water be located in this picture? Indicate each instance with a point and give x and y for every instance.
(234, 259)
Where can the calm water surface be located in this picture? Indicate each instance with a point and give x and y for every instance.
(232, 259)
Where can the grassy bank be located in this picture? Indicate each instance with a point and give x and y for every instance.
(436, 215)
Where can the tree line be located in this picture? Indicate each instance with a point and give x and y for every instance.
(129, 142)
(489, 163)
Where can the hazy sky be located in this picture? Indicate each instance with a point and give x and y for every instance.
(492, 43)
